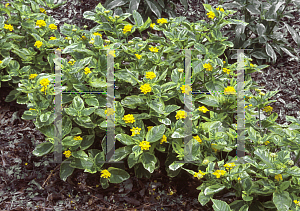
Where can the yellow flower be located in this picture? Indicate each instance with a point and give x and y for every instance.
(180, 70)
(31, 109)
(129, 118)
(203, 109)
(226, 70)
(145, 145)
(26, 164)
(32, 76)
(219, 173)
(105, 173)
(130, 41)
(297, 202)
(77, 138)
(42, 10)
(198, 139)
(138, 56)
(44, 89)
(83, 37)
(135, 130)
(268, 109)
(106, 11)
(38, 44)
(220, 9)
(205, 162)
(107, 41)
(251, 65)
(199, 174)
(224, 62)
(0, 62)
(140, 45)
(67, 153)
(278, 177)
(261, 93)
(164, 139)
(97, 34)
(117, 16)
(71, 62)
(208, 66)
(52, 38)
(9, 27)
(109, 111)
(162, 20)
(266, 143)
(45, 82)
(229, 166)
(180, 115)
(40, 23)
(152, 25)
(189, 89)
(92, 41)
(211, 15)
(239, 179)
(229, 90)
(145, 88)
(127, 28)
(150, 75)
(87, 70)
(153, 49)
(149, 127)
(74, 30)
(6, 5)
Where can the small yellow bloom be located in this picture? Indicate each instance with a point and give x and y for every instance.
(219, 173)
(203, 109)
(97, 34)
(92, 41)
(266, 143)
(106, 11)
(26, 164)
(149, 127)
(184, 89)
(40, 23)
(52, 38)
(45, 82)
(135, 130)
(205, 162)
(9, 27)
(161, 21)
(297, 203)
(239, 179)
(117, 16)
(43, 89)
(211, 15)
(229, 166)
(229, 90)
(199, 174)
(278, 177)
(129, 118)
(152, 25)
(150, 75)
(32, 76)
(224, 62)
(83, 37)
(153, 49)
(220, 9)
(251, 65)
(127, 28)
(226, 70)
(140, 45)
(32, 109)
(130, 41)
(1, 62)
(145, 88)
(87, 70)
(7, 4)
(107, 41)
(208, 66)
(71, 62)
(180, 115)
(74, 30)
(261, 93)
(105, 173)
(145, 145)
(42, 10)
(109, 111)
(268, 109)
(67, 153)
(180, 70)
(198, 139)
(77, 138)
(138, 56)
(164, 139)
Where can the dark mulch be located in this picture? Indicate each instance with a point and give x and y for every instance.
(32, 183)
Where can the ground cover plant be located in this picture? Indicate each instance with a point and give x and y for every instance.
(84, 118)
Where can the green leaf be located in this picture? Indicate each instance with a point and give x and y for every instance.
(165, 121)
(137, 18)
(87, 141)
(272, 11)
(158, 105)
(284, 185)
(78, 103)
(148, 160)
(48, 131)
(92, 102)
(263, 155)
(213, 189)
(252, 9)
(117, 175)
(71, 111)
(220, 205)
(175, 165)
(155, 8)
(294, 34)
(282, 201)
(125, 139)
(132, 101)
(271, 52)
(81, 163)
(167, 86)
(217, 48)
(156, 133)
(99, 159)
(87, 111)
(80, 154)
(69, 141)
(204, 199)
(66, 126)
(171, 108)
(43, 149)
(45, 116)
(84, 121)
(121, 153)
(132, 160)
(133, 5)
(115, 3)
(98, 83)
(65, 170)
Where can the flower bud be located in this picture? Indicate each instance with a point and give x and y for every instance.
(140, 45)
(74, 30)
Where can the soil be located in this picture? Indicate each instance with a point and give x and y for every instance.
(28, 182)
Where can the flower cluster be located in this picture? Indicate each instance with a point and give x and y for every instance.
(188, 88)
(297, 203)
(219, 173)
(77, 138)
(247, 106)
(38, 44)
(32, 76)
(9, 27)
(278, 177)
(198, 139)
(161, 21)
(87, 70)
(67, 153)
(208, 66)
(127, 28)
(105, 173)
(199, 174)
(129, 118)
(52, 26)
(43, 10)
(145, 88)
(211, 15)
(109, 111)
(268, 109)
(220, 9)
(52, 38)
(138, 56)
(72, 61)
(150, 75)
(153, 49)
(145, 145)
(152, 25)
(180, 115)
(97, 34)
(226, 70)
(203, 109)
(229, 90)
(135, 130)
(40, 23)
(44, 82)
(164, 139)
(180, 70)
(229, 166)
